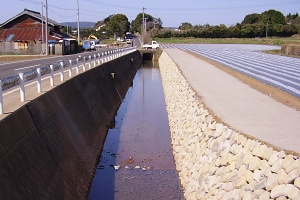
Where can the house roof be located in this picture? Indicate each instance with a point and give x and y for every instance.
(30, 33)
(33, 14)
(18, 34)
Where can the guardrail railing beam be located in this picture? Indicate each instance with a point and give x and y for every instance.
(100, 58)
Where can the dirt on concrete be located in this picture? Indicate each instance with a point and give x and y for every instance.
(14, 58)
(277, 94)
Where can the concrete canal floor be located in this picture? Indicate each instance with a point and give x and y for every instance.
(137, 160)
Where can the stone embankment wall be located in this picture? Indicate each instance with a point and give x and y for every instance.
(49, 148)
(216, 162)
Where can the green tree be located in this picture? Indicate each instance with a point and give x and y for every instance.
(137, 23)
(233, 32)
(118, 24)
(273, 17)
(185, 26)
(252, 18)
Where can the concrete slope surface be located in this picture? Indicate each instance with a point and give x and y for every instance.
(240, 106)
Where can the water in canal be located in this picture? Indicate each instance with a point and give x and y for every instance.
(140, 144)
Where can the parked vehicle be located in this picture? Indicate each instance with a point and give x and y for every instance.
(119, 39)
(88, 46)
(153, 45)
(128, 41)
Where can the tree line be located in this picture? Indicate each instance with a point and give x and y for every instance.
(269, 23)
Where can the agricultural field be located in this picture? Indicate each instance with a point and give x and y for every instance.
(270, 40)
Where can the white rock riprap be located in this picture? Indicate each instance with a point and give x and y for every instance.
(216, 162)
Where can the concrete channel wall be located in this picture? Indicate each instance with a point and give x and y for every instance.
(49, 148)
(216, 162)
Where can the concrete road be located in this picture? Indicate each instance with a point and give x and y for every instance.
(240, 106)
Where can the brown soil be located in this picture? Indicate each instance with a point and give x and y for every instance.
(277, 94)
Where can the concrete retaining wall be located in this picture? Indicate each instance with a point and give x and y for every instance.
(216, 162)
(49, 148)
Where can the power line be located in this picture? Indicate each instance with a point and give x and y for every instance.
(60, 14)
(32, 2)
(113, 5)
(192, 9)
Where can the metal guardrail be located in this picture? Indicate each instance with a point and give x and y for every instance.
(60, 67)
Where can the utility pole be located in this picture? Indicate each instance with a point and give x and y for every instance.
(267, 29)
(42, 18)
(46, 32)
(78, 32)
(143, 26)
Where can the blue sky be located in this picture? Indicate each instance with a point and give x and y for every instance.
(172, 12)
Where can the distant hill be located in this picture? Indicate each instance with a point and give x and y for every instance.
(81, 24)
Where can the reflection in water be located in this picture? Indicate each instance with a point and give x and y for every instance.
(137, 160)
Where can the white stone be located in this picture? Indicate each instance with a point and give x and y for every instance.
(247, 196)
(248, 175)
(272, 182)
(264, 196)
(277, 165)
(228, 186)
(282, 176)
(257, 175)
(293, 164)
(254, 163)
(274, 157)
(282, 198)
(294, 193)
(241, 180)
(297, 182)
(287, 190)
(261, 184)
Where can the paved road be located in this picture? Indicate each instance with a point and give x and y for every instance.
(278, 71)
(17, 67)
(239, 105)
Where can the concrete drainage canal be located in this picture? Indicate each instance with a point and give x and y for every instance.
(137, 160)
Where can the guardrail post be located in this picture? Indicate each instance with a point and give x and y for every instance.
(102, 61)
(95, 60)
(61, 71)
(77, 66)
(83, 68)
(90, 61)
(1, 99)
(51, 75)
(70, 68)
(39, 80)
(98, 61)
(22, 87)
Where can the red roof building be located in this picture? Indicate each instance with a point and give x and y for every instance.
(24, 31)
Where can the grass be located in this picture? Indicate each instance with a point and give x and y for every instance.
(270, 40)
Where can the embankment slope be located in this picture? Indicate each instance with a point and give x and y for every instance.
(49, 147)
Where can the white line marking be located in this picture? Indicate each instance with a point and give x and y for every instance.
(27, 67)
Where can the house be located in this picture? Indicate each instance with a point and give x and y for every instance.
(23, 34)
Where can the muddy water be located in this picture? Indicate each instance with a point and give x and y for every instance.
(139, 143)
